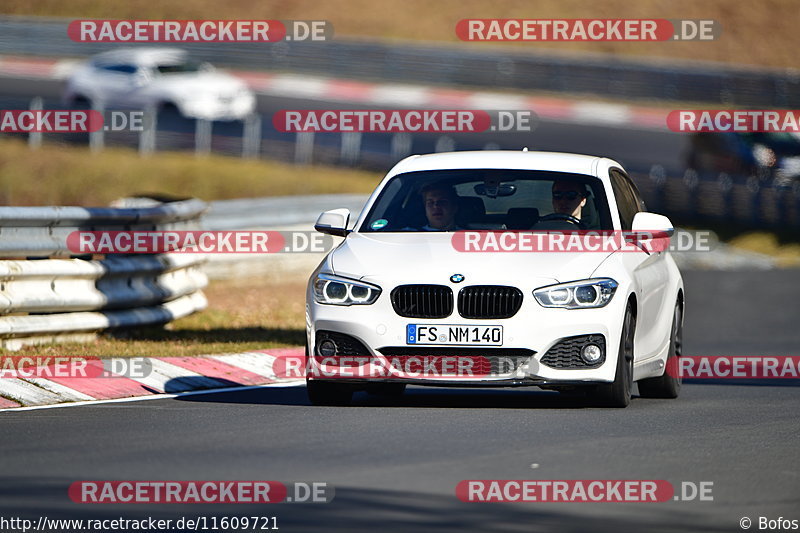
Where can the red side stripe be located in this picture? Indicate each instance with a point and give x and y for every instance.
(8, 403)
(216, 369)
(105, 388)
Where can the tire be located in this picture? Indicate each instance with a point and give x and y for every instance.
(667, 386)
(81, 103)
(393, 390)
(618, 393)
(168, 107)
(169, 114)
(326, 393)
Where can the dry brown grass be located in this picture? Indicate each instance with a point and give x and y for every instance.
(787, 254)
(759, 33)
(71, 175)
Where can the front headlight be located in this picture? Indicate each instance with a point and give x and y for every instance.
(577, 294)
(334, 290)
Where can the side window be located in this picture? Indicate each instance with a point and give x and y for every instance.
(118, 68)
(636, 194)
(628, 201)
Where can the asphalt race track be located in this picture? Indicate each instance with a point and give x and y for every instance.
(395, 463)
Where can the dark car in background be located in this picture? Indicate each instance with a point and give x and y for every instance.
(768, 155)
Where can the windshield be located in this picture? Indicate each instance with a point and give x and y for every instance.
(489, 199)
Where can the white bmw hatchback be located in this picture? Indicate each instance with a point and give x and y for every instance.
(456, 274)
(162, 77)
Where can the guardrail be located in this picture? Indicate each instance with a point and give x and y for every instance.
(278, 211)
(467, 65)
(46, 295)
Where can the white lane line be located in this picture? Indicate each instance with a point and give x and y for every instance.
(295, 383)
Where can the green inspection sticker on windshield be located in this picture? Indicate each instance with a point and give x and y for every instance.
(380, 223)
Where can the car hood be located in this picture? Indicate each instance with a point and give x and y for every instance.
(431, 258)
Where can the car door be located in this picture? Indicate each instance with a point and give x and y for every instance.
(650, 270)
(115, 84)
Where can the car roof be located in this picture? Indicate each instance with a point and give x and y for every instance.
(502, 159)
(144, 57)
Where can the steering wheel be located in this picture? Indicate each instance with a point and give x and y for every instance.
(564, 218)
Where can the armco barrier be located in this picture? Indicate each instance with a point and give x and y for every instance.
(45, 295)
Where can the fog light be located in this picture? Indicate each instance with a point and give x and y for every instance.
(326, 348)
(591, 353)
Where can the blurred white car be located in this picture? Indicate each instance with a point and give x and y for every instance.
(399, 292)
(160, 77)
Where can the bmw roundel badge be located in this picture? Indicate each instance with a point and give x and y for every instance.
(457, 278)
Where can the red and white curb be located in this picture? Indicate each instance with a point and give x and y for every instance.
(398, 95)
(167, 375)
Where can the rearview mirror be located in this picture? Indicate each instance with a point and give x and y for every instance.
(495, 190)
(334, 222)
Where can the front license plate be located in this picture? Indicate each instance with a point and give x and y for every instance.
(454, 335)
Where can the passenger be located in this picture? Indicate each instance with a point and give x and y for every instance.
(441, 207)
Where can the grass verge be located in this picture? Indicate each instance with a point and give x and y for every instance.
(787, 254)
(71, 175)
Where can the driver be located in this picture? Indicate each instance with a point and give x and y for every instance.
(569, 197)
(441, 207)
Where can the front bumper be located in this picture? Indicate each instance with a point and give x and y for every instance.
(533, 330)
(218, 108)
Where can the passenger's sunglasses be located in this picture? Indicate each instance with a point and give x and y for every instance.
(569, 195)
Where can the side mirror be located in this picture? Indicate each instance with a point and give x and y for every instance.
(651, 232)
(656, 225)
(333, 222)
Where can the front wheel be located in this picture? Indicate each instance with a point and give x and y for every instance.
(618, 393)
(667, 385)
